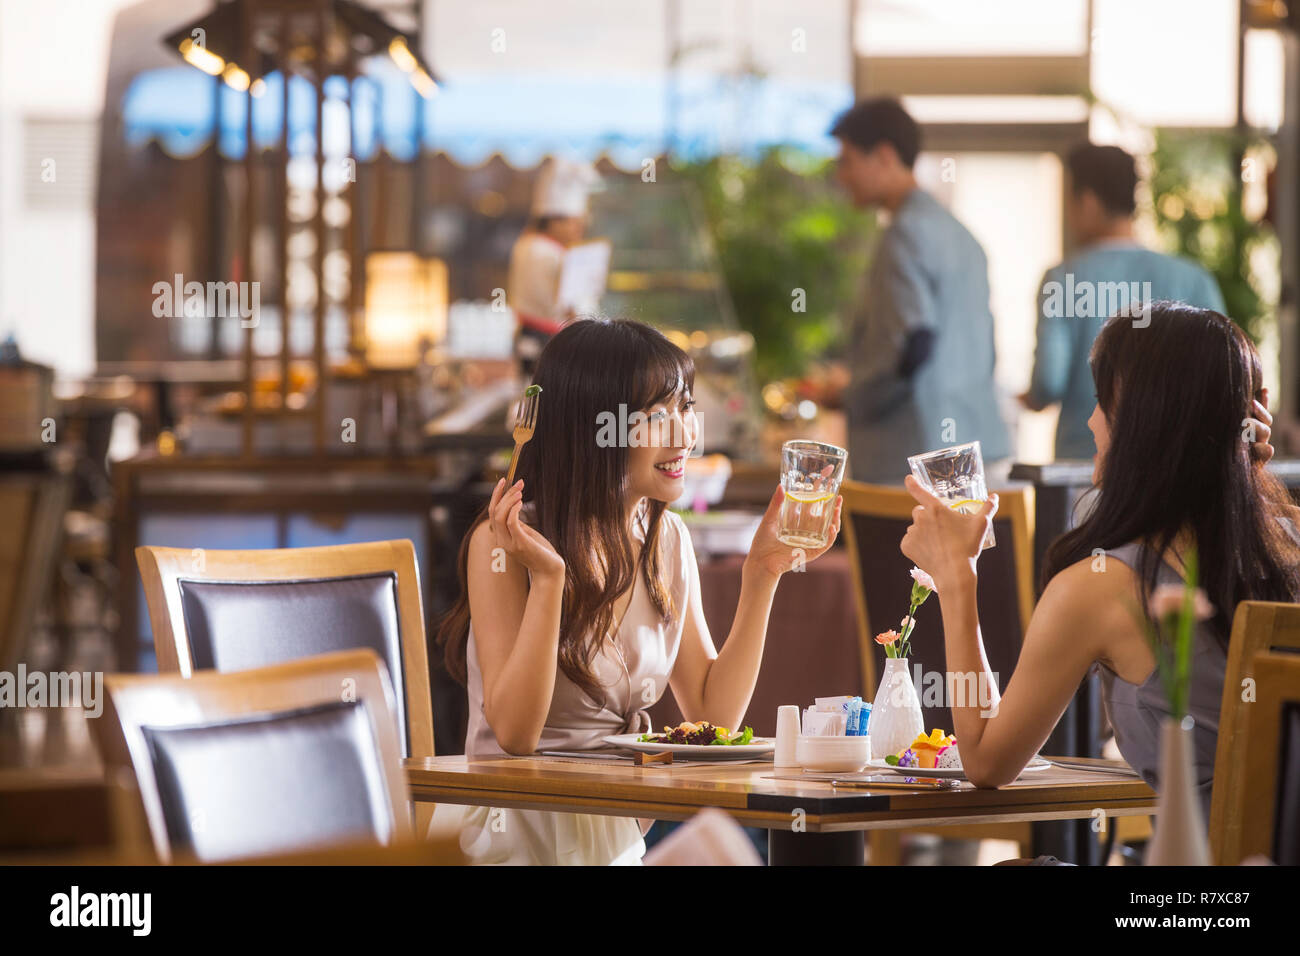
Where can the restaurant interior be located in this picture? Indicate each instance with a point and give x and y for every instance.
(288, 287)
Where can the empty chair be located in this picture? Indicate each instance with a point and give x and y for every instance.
(1268, 766)
(875, 519)
(1257, 627)
(291, 757)
(32, 506)
(233, 610)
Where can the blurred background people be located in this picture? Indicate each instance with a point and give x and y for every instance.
(1110, 270)
(922, 350)
(559, 222)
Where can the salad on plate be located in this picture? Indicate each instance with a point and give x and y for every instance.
(702, 734)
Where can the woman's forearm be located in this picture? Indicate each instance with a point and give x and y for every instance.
(521, 696)
(969, 681)
(729, 683)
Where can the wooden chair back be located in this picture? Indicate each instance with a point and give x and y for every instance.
(223, 762)
(313, 600)
(32, 506)
(1269, 793)
(874, 519)
(1258, 627)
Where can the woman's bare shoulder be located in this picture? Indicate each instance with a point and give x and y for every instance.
(673, 521)
(1091, 579)
(1092, 597)
(676, 537)
(481, 539)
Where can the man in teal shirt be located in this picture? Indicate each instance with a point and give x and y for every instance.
(1110, 272)
(922, 352)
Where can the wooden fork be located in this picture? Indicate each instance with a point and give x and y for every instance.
(525, 425)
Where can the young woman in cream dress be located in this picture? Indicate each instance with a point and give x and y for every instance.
(580, 602)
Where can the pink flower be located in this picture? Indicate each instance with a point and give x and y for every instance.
(923, 579)
(1168, 599)
(888, 637)
(905, 621)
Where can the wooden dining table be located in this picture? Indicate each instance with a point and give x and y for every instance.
(809, 821)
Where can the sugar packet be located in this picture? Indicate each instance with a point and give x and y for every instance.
(820, 723)
(831, 705)
(857, 713)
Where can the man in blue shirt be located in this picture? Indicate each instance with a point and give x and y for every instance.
(1109, 273)
(922, 352)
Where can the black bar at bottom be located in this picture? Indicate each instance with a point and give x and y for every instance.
(788, 848)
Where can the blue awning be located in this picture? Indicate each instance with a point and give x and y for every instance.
(523, 118)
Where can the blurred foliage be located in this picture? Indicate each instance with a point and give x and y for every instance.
(780, 223)
(1199, 185)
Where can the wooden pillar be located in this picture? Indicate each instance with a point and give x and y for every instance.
(218, 217)
(282, 193)
(322, 372)
(352, 234)
(246, 54)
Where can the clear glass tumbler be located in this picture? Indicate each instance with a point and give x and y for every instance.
(956, 475)
(811, 472)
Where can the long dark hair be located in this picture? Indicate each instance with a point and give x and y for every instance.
(1175, 394)
(577, 482)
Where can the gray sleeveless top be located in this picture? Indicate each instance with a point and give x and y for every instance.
(1136, 712)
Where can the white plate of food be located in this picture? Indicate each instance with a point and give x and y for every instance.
(954, 773)
(689, 739)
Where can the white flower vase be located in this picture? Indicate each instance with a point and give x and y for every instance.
(896, 712)
(1179, 838)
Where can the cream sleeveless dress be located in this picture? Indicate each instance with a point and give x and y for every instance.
(633, 668)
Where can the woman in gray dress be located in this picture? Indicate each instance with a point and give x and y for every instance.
(1179, 465)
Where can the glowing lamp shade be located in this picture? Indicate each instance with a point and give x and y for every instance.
(198, 55)
(406, 307)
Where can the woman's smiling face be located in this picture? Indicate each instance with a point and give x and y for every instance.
(660, 440)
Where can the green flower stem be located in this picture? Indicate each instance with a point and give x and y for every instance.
(1174, 655)
(905, 641)
(903, 646)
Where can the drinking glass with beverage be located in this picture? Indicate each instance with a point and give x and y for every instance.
(956, 475)
(811, 472)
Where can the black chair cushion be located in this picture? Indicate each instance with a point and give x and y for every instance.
(272, 782)
(1286, 822)
(241, 625)
(887, 588)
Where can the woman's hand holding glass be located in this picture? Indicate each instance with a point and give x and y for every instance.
(942, 541)
(771, 555)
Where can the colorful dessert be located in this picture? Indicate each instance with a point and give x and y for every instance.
(937, 750)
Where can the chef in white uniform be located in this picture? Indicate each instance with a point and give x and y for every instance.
(559, 221)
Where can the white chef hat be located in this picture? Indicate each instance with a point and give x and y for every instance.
(562, 188)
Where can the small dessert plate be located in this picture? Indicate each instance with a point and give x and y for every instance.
(953, 773)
